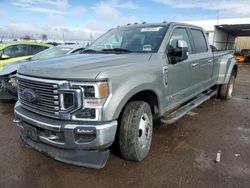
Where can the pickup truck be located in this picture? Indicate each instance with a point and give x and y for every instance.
(73, 108)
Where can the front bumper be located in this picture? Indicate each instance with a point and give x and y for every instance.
(59, 139)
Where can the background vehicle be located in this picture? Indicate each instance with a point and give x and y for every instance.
(8, 72)
(15, 51)
(243, 56)
(72, 108)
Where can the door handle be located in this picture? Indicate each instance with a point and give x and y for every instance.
(195, 64)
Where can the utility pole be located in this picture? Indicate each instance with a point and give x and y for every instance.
(218, 19)
(63, 36)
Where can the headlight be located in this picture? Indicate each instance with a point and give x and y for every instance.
(94, 97)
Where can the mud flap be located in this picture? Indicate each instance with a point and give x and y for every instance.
(85, 158)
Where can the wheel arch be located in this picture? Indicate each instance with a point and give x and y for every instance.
(232, 69)
(146, 95)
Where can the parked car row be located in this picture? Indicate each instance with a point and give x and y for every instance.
(17, 53)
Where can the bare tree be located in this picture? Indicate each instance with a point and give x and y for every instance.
(26, 37)
(2, 39)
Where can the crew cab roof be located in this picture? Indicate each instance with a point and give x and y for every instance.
(162, 24)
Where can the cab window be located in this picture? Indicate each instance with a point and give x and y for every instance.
(16, 50)
(179, 34)
(200, 43)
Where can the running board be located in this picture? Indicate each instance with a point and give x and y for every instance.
(183, 110)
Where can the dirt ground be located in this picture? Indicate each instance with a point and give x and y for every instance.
(182, 154)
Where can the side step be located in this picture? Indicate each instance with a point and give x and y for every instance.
(183, 110)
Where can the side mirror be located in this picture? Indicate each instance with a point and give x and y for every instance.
(5, 56)
(179, 53)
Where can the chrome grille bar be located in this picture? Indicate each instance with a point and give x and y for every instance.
(47, 91)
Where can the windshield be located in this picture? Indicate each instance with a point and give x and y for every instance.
(131, 39)
(50, 53)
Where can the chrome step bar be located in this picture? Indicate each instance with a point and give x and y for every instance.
(183, 110)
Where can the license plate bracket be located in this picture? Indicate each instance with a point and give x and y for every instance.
(31, 132)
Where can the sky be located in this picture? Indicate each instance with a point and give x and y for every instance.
(83, 19)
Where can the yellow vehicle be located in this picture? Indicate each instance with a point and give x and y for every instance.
(16, 51)
(243, 56)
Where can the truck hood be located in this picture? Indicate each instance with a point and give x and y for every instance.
(82, 66)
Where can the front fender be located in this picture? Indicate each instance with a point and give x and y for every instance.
(128, 88)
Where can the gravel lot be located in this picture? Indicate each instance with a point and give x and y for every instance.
(182, 154)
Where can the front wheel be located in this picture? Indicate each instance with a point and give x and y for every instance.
(136, 131)
(226, 90)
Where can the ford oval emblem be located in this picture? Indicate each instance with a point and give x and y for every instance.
(30, 96)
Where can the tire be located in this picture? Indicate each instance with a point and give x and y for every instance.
(136, 128)
(226, 90)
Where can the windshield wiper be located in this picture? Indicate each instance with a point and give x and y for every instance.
(116, 50)
(89, 51)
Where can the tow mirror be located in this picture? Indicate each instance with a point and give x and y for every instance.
(5, 56)
(179, 53)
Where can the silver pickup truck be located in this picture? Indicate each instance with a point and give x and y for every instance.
(72, 108)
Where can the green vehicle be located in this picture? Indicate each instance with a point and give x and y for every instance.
(8, 90)
(16, 51)
(72, 108)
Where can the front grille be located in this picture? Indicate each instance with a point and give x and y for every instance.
(47, 92)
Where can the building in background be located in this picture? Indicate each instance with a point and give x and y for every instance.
(227, 34)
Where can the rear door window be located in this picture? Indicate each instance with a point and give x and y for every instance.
(200, 43)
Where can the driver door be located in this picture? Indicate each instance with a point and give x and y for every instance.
(180, 81)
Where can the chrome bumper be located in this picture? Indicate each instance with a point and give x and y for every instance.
(69, 136)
